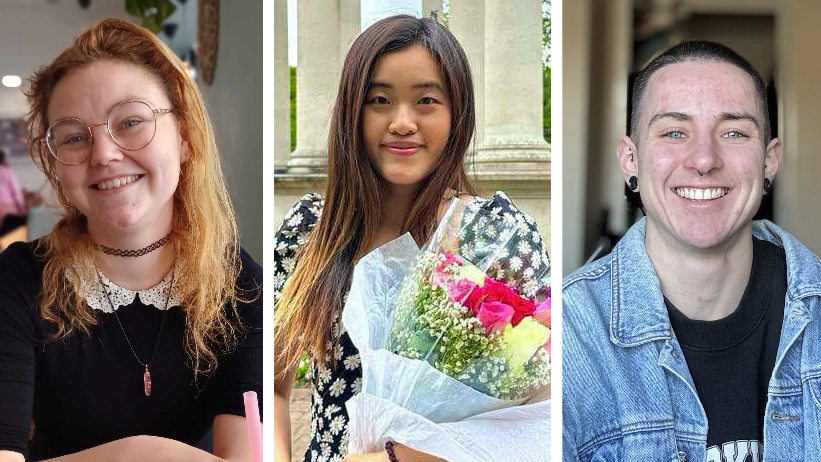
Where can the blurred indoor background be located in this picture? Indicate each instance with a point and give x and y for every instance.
(34, 32)
(607, 41)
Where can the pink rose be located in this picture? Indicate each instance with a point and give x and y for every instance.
(494, 315)
(496, 291)
(542, 312)
(466, 292)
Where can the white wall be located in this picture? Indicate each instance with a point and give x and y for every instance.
(33, 33)
(234, 102)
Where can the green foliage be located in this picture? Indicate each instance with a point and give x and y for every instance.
(302, 372)
(152, 12)
(546, 69)
(293, 108)
(546, 102)
(545, 33)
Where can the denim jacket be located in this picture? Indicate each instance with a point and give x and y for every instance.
(627, 394)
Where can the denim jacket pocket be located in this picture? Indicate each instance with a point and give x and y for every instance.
(633, 445)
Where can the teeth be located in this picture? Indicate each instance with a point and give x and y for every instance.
(697, 194)
(117, 182)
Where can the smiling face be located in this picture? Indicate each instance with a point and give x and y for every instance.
(701, 158)
(147, 178)
(406, 116)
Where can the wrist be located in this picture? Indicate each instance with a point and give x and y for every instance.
(390, 452)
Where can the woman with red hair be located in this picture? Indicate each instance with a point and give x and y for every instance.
(133, 328)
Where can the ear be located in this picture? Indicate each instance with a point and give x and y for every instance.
(185, 151)
(628, 160)
(772, 158)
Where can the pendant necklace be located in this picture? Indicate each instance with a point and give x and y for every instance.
(146, 375)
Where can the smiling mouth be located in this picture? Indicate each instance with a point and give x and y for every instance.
(117, 182)
(698, 194)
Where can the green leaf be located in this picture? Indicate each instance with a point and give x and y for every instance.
(152, 12)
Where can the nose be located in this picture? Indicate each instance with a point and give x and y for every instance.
(103, 147)
(705, 155)
(403, 122)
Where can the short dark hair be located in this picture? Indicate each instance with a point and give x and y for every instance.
(696, 51)
(2, 157)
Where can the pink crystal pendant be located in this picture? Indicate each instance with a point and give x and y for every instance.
(147, 381)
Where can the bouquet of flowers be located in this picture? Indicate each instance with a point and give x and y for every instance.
(454, 340)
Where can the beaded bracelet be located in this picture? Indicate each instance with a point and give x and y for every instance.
(389, 450)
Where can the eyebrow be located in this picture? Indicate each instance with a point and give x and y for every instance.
(739, 116)
(425, 85)
(724, 116)
(680, 116)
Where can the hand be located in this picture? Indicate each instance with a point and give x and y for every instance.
(381, 456)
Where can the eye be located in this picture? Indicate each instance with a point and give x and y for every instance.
(74, 139)
(428, 100)
(735, 135)
(130, 123)
(379, 100)
(674, 134)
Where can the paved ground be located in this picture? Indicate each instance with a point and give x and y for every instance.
(300, 422)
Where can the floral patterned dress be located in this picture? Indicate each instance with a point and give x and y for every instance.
(340, 378)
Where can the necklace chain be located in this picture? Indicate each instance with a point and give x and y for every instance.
(165, 311)
(135, 253)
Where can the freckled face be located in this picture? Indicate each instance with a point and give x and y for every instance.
(701, 160)
(406, 116)
(148, 176)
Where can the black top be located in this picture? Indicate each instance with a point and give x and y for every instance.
(340, 378)
(731, 360)
(88, 390)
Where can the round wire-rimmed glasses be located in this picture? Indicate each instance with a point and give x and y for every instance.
(131, 124)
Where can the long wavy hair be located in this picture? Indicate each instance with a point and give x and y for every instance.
(312, 296)
(204, 228)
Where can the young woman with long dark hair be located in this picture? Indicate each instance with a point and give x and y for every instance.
(400, 130)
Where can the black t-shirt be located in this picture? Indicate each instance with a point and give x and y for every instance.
(731, 360)
(88, 389)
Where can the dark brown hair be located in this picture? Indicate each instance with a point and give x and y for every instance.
(690, 52)
(312, 298)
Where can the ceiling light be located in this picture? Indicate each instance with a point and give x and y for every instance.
(11, 81)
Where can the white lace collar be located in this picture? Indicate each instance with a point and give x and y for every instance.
(155, 296)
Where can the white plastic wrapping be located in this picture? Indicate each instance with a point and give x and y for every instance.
(409, 401)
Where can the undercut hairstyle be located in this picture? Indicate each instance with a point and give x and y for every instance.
(694, 52)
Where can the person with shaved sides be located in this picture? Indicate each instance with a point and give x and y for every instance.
(693, 340)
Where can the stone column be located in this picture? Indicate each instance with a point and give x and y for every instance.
(513, 140)
(349, 25)
(282, 102)
(317, 80)
(467, 23)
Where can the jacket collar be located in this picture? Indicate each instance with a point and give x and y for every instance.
(637, 311)
(638, 314)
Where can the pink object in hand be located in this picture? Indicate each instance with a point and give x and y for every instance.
(253, 424)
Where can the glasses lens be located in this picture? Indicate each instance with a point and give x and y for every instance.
(132, 125)
(69, 140)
